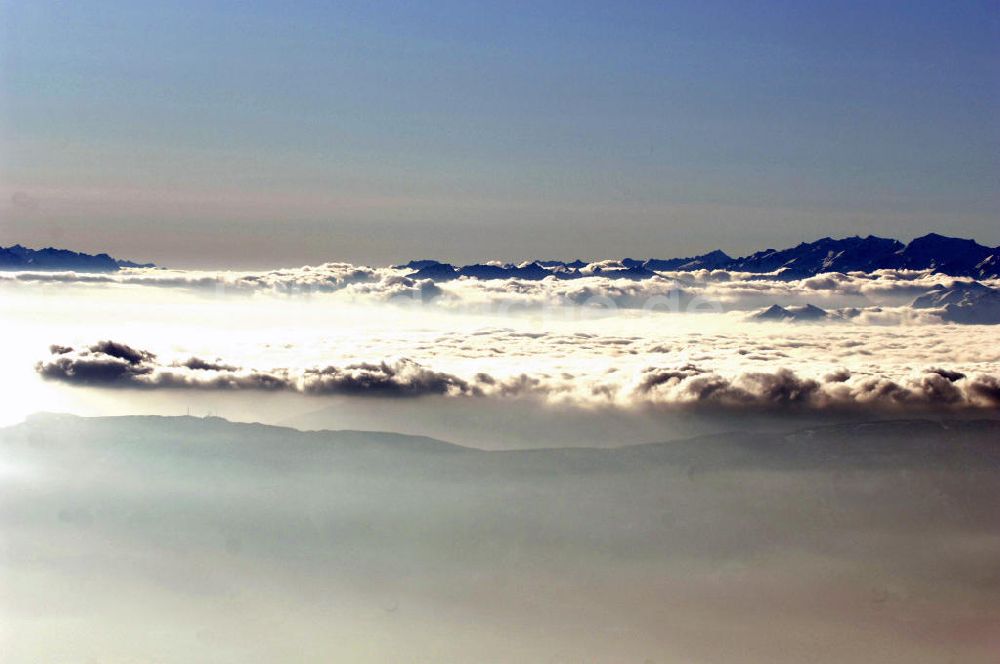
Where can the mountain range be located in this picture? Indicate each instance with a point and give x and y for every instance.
(51, 259)
(954, 256)
(945, 443)
(938, 253)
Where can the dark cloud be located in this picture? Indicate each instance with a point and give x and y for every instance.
(947, 373)
(655, 376)
(783, 388)
(103, 363)
(986, 389)
(838, 376)
(691, 385)
(199, 364)
(402, 378)
(780, 387)
(121, 351)
(115, 364)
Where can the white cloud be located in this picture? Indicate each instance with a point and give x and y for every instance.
(113, 364)
(342, 329)
(696, 291)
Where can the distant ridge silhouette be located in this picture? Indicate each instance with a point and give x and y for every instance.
(946, 255)
(954, 256)
(51, 259)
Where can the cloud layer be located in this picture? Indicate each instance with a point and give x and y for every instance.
(681, 339)
(114, 364)
(883, 296)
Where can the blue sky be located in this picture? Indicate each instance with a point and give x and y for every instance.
(257, 133)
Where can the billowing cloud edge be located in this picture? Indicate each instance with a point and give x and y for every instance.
(879, 297)
(114, 364)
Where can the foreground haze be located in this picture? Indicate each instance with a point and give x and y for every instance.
(874, 543)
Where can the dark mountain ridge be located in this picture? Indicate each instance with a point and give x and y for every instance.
(947, 255)
(49, 259)
(946, 442)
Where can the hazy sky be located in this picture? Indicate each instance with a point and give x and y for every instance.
(256, 134)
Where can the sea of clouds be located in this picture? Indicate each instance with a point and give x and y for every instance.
(688, 340)
(679, 291)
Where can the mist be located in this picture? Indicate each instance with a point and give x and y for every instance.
(172, 537)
